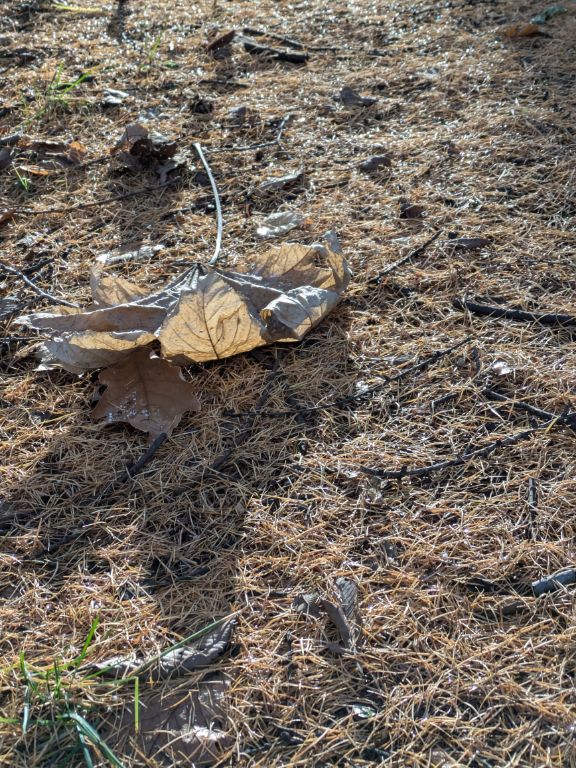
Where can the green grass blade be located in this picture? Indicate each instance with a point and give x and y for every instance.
(94, 738)
(87, 642)
(136, 704)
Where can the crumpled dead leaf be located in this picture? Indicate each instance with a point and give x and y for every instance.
(205, 314)
(147, 392)
(375, 163)
(351, 98)
(179, 725)
(5, 158)
(51, 154)
(466, 243)
(141, 149)
(411, 211)
(276, 183)
(6, 215)
(344, 617)
(279, 223)
(174, 663)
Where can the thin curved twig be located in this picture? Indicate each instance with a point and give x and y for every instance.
(31, 284)
(464, 458)
(200, 153)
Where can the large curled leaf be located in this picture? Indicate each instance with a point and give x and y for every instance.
(205, 314)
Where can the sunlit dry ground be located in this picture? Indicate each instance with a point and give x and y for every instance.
(458, 664)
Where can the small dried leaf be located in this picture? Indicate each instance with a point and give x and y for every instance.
(279, 223)
(139, 149)
(410, 211)
(348, 590)
(339, 620)
(307, 605)
(280, 182)
(179, 725)
(501, 368)
(113, 98)
(52, 155)
(6, 215)
(375, 163)
(147, 392)
(522, 30)
(5, 158)
(467, 243)
(222, 40)
(351, 98)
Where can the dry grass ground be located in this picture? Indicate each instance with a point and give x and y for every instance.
(460, 664)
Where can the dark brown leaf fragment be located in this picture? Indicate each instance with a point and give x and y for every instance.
(375, 163)
(6, 215)
(184, 725)
(467, 243)
(411, 211)
(351, 98)
(5, 158)
(221, 41)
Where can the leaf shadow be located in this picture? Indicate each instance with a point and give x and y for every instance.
(168, 552)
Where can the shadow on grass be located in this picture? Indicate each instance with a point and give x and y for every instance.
(163, 554)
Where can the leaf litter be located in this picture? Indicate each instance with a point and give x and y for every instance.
(205, 314)
(184, 723)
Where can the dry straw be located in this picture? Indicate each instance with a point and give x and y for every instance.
(460, 664)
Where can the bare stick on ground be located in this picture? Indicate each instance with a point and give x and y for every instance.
(544, 318)
(31, 284)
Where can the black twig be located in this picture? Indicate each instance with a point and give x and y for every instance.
(544, 318)
(219, 220)
(404, 260)
(366, 394)
(569, 418)
(31, 284)
(398, 474)
(287, 41)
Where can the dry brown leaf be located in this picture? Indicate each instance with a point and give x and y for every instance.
(5, 158)
(174, 663)
(184, 725)
(351, 98)
(6, 215)
(375, 163)
(52, 155)
(522, 30)
(139, 149)
(411, 211)
(467, 243)
(205, 314)
(147, 392)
